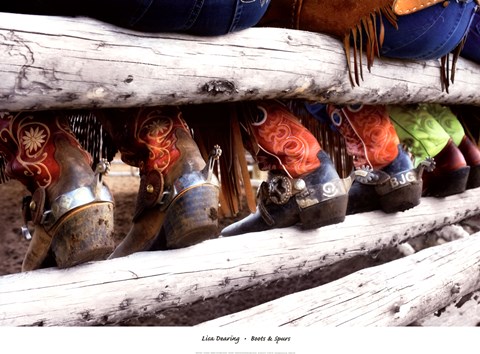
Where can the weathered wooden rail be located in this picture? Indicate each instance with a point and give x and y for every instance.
(71, 63)
(395, 294)
(48, 62)
(144, 283)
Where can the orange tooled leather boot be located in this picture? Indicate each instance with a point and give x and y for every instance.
(178, 191)
(303, 188)
(70, 207)
(385, 176)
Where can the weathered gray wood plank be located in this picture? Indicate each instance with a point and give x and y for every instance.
(393, 294)
(463, 313)
(146, 282)
(56, 62)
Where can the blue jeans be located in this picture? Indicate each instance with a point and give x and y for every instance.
(430, 33)
(471, 50)
(199, 17)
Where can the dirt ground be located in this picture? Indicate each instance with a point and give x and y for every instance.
(124, 189)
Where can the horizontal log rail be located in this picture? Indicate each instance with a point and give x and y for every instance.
(71, 63)
(394, 294)
(108, 292)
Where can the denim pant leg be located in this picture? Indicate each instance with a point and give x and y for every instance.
(200, 17)
(241, 14)
(147, 15)
(471, 50)
(430, 33)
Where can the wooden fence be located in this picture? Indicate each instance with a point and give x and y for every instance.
(71, 63)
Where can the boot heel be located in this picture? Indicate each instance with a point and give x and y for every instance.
(86, 235)
(474, 177)
(328, 212)
(451, 183)
(192, 217)
(402, 199)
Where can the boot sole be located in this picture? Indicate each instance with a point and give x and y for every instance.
(192, 217)
(447, 184)
(361, 199)
(402, 199)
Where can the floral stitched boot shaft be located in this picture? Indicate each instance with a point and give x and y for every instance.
(303, 188)
(70, 208)
(178, 192)
(385, 176)
(433, 131)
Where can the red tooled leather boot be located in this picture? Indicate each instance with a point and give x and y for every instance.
(178, 191)
(385, 176)
(71, 209)
(303, 188)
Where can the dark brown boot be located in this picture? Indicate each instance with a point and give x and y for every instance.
(450, 175)
(469, 145)
(178, 191)
(70, 207)
(471, 153)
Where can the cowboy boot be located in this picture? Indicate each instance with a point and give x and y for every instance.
(425, 138)
(385, 176)
(303, 188)
(70, 207)
(178, 191)
(450, 123)
(471, 152)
